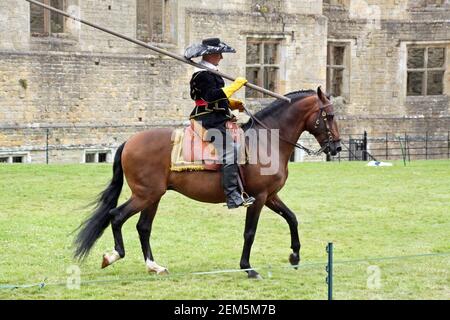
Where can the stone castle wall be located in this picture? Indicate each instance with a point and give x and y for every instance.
(93, 91)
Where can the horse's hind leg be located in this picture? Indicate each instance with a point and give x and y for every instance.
(120, 216)
(144, 228)
(276, 205)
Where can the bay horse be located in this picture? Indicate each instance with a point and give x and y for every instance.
(145, 161)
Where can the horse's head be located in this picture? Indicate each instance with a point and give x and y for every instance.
(322, 125)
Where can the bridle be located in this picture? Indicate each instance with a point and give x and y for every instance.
(322, 115)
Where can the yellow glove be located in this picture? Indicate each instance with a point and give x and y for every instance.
(235, 86)
(236, 104)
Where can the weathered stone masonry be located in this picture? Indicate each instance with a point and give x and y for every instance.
(377, 100)
(85, 90)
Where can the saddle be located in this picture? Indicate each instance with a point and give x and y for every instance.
(192, 152)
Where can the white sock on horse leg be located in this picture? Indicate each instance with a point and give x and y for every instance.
(152, 266)
(113, 257)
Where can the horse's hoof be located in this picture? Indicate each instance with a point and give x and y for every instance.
(109, 259)
(254, 275)
(153, 267)
(163, 272)
(105, 262)
(294, 259)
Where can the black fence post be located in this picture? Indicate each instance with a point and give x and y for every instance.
(426, 145)
(403, 149)
(329, 269)
(364, 155)
(46, 146)
(407, 147)
(387, 146)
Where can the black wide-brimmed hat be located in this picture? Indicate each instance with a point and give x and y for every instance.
(208, 46)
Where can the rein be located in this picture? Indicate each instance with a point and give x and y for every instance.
(296, 144)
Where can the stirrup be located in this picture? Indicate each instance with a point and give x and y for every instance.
(248, 201)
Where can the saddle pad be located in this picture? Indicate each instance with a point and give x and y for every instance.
(190, 152)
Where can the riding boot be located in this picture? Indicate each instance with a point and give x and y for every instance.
(235, 199)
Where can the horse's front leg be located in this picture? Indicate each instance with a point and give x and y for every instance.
(276, 205)
(251, 223)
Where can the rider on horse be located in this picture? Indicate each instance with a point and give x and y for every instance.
(213, 105)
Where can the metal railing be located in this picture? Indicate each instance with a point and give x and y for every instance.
(26, 143)
(395, 146)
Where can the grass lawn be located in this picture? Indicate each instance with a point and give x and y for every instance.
(364, 211)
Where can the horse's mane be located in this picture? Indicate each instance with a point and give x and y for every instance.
(276, 107)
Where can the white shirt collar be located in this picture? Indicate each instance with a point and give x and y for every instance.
(206, 64)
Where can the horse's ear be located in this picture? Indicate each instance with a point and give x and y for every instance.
(320, 93)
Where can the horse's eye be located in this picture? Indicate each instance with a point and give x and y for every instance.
(330, 117)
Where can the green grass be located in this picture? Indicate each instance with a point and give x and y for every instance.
(365, 211)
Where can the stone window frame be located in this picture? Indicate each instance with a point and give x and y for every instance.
(71, 28)
(425, 69)
(402, 74)
(268, 6)
(168, 34)
(47, 20)
(10, 155)
(427, 5)
(344, 4)
(434, 3)
(263, 40)
(96, 153)
(346, 66)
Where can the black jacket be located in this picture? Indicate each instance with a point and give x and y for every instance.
(207, 86)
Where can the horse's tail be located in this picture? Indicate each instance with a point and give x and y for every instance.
(92, 228)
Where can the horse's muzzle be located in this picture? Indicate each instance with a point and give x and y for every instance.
(335, 147)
